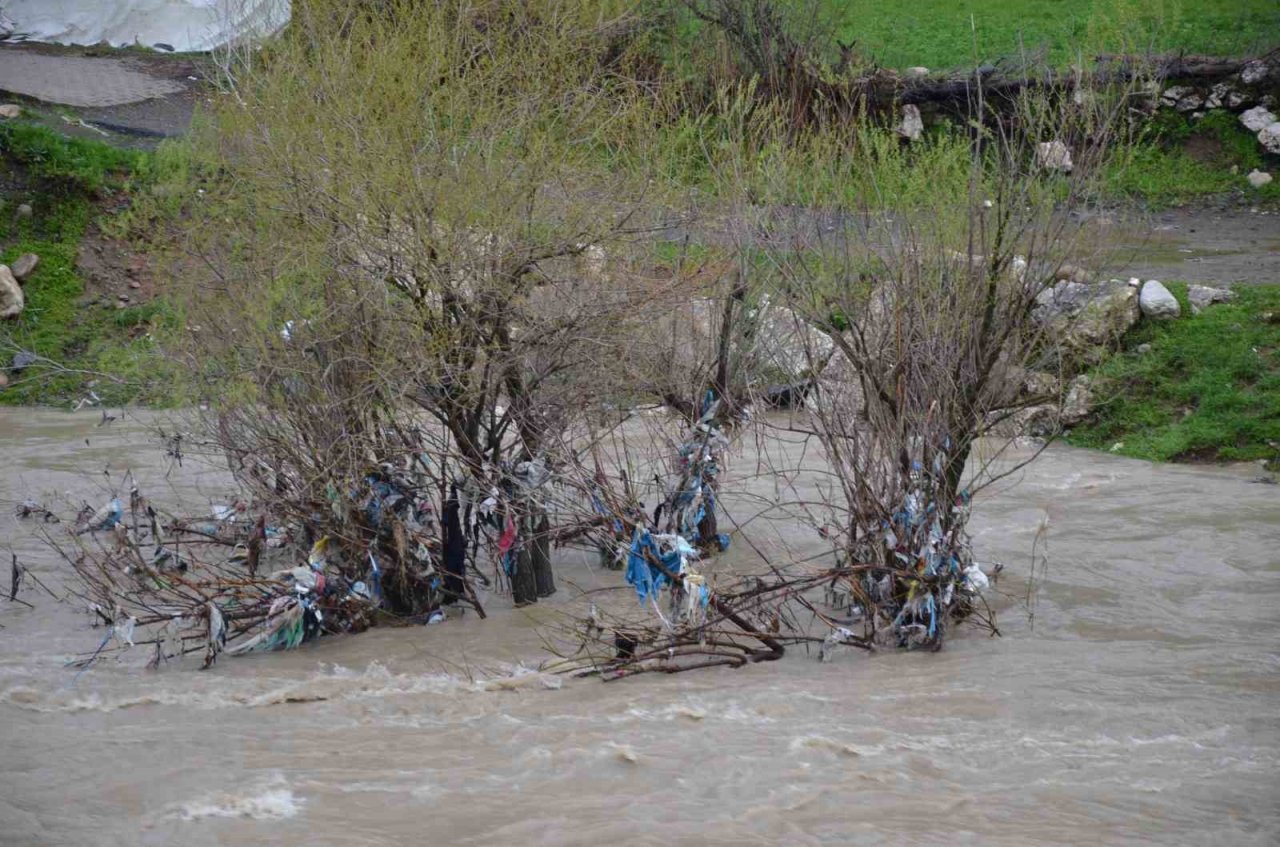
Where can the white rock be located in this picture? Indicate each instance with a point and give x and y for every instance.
(1202, 296)
(1269, 138)
(1157, 302)
(917, 72)
(1254, 72)
(912, 125)
(10, 110)
(1054, 155)
(1173, 94)
(1257, 119)
(1258, 178)
(11, 300)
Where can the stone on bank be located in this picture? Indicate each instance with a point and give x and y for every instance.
(1203, 296)
(11, 300)
(1157, 302)
(24, 266)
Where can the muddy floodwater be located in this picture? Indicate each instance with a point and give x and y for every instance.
(1141, 706)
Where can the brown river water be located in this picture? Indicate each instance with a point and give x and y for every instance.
(1143, 706)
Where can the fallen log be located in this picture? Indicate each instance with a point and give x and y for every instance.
(883, 91)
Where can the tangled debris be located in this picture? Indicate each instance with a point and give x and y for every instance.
(903, 587)
(396, 550)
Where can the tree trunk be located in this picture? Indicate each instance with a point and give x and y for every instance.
(540, 547)
(454, 549)
(953, 475)
(708, 531)
(524, 587)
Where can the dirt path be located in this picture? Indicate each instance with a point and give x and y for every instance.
(127, 98)
(1218, 245)
(1206, 246)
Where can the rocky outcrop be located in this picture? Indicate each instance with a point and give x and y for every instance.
(11, 300)
(1247, 89)
(786, 345)
(1082, 322)
(1202, 297)
(1157, 302)
(1222, 87)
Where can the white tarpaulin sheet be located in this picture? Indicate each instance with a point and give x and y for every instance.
(183, 25)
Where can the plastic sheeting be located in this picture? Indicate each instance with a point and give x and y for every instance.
(181, 25)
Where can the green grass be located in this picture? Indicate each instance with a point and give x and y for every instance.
(1179, 160)
(66, 164)
(110, 351)
(946, 34)
(1208, 388)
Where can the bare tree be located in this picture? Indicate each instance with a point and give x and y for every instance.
(416, 270)
(911, 277)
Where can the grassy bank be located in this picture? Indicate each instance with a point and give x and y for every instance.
(944, 34)
(1181, 160)
(1172, 159)
(82, 344)
(84, 191)
(1201, 387)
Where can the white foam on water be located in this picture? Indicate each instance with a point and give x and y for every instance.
(272, 799)
(831, 745)
(335, 683)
